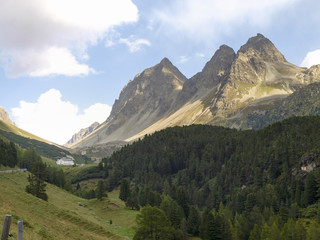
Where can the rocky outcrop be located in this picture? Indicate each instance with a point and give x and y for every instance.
(303, 102)
(82, 134)
(230, 87)
(4, 116)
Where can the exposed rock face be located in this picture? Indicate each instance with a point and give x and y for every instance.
(5, 116)
(230, 87)
(258, 70)
(212, 75)
(82, 133)
(143, 101)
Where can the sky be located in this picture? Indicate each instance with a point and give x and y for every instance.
(63, 63)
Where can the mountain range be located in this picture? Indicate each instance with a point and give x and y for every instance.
(239, 90)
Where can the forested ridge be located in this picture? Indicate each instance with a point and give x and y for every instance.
(252, 180)
(215, 164)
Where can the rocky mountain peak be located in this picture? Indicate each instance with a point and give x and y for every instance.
(260, 46)
(213, 73)
(220, 61)
(5, 116)
(157, 82)
(82, 133)
(165, 61)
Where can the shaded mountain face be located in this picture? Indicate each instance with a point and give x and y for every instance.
(5, 116)
(212, 75)
(229, 87)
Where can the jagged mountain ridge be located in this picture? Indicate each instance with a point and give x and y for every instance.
(82, 133)
(161, 96)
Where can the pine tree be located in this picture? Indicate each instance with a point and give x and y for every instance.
(132, 202)
(173, 211)
(124, 190)
(100, 190)
(255, 233)
(37, 186)
(152, 223)
(193, 221)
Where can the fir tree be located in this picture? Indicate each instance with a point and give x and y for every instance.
(124, 190)
(37, 186)
(100, 190)
(152, 223)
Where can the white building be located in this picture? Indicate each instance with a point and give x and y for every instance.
(65, 161)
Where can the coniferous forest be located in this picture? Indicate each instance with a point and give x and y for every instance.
(220, 183)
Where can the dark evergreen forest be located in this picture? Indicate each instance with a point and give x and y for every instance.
(252, 180)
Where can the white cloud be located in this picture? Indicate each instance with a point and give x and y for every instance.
(55, 119)
(56, 29)
(51, 61)
(205, 19)
(312, 58)
(183, 59)
(134, 44)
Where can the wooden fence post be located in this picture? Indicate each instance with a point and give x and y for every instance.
(6, 227)
(20, 230)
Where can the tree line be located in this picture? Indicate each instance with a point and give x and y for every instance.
(11, 156)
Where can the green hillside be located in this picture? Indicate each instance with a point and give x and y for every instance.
(18, 131)
(303, 102)
(44, 148)
(64, 216)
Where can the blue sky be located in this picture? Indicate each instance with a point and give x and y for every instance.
(64, 62)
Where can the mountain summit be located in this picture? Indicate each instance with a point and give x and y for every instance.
(262, 47)
(229, 87)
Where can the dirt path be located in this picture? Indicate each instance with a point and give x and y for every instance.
(14, 170)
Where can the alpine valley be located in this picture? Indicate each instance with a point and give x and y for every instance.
(248, 89)
(232, 153)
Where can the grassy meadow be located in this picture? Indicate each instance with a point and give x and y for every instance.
(64, 216)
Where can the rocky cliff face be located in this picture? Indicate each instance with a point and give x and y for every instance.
(229, 88)
(5, 116)
(82, 134)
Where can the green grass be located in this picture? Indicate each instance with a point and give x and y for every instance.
(62, 217)
(123, 219)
